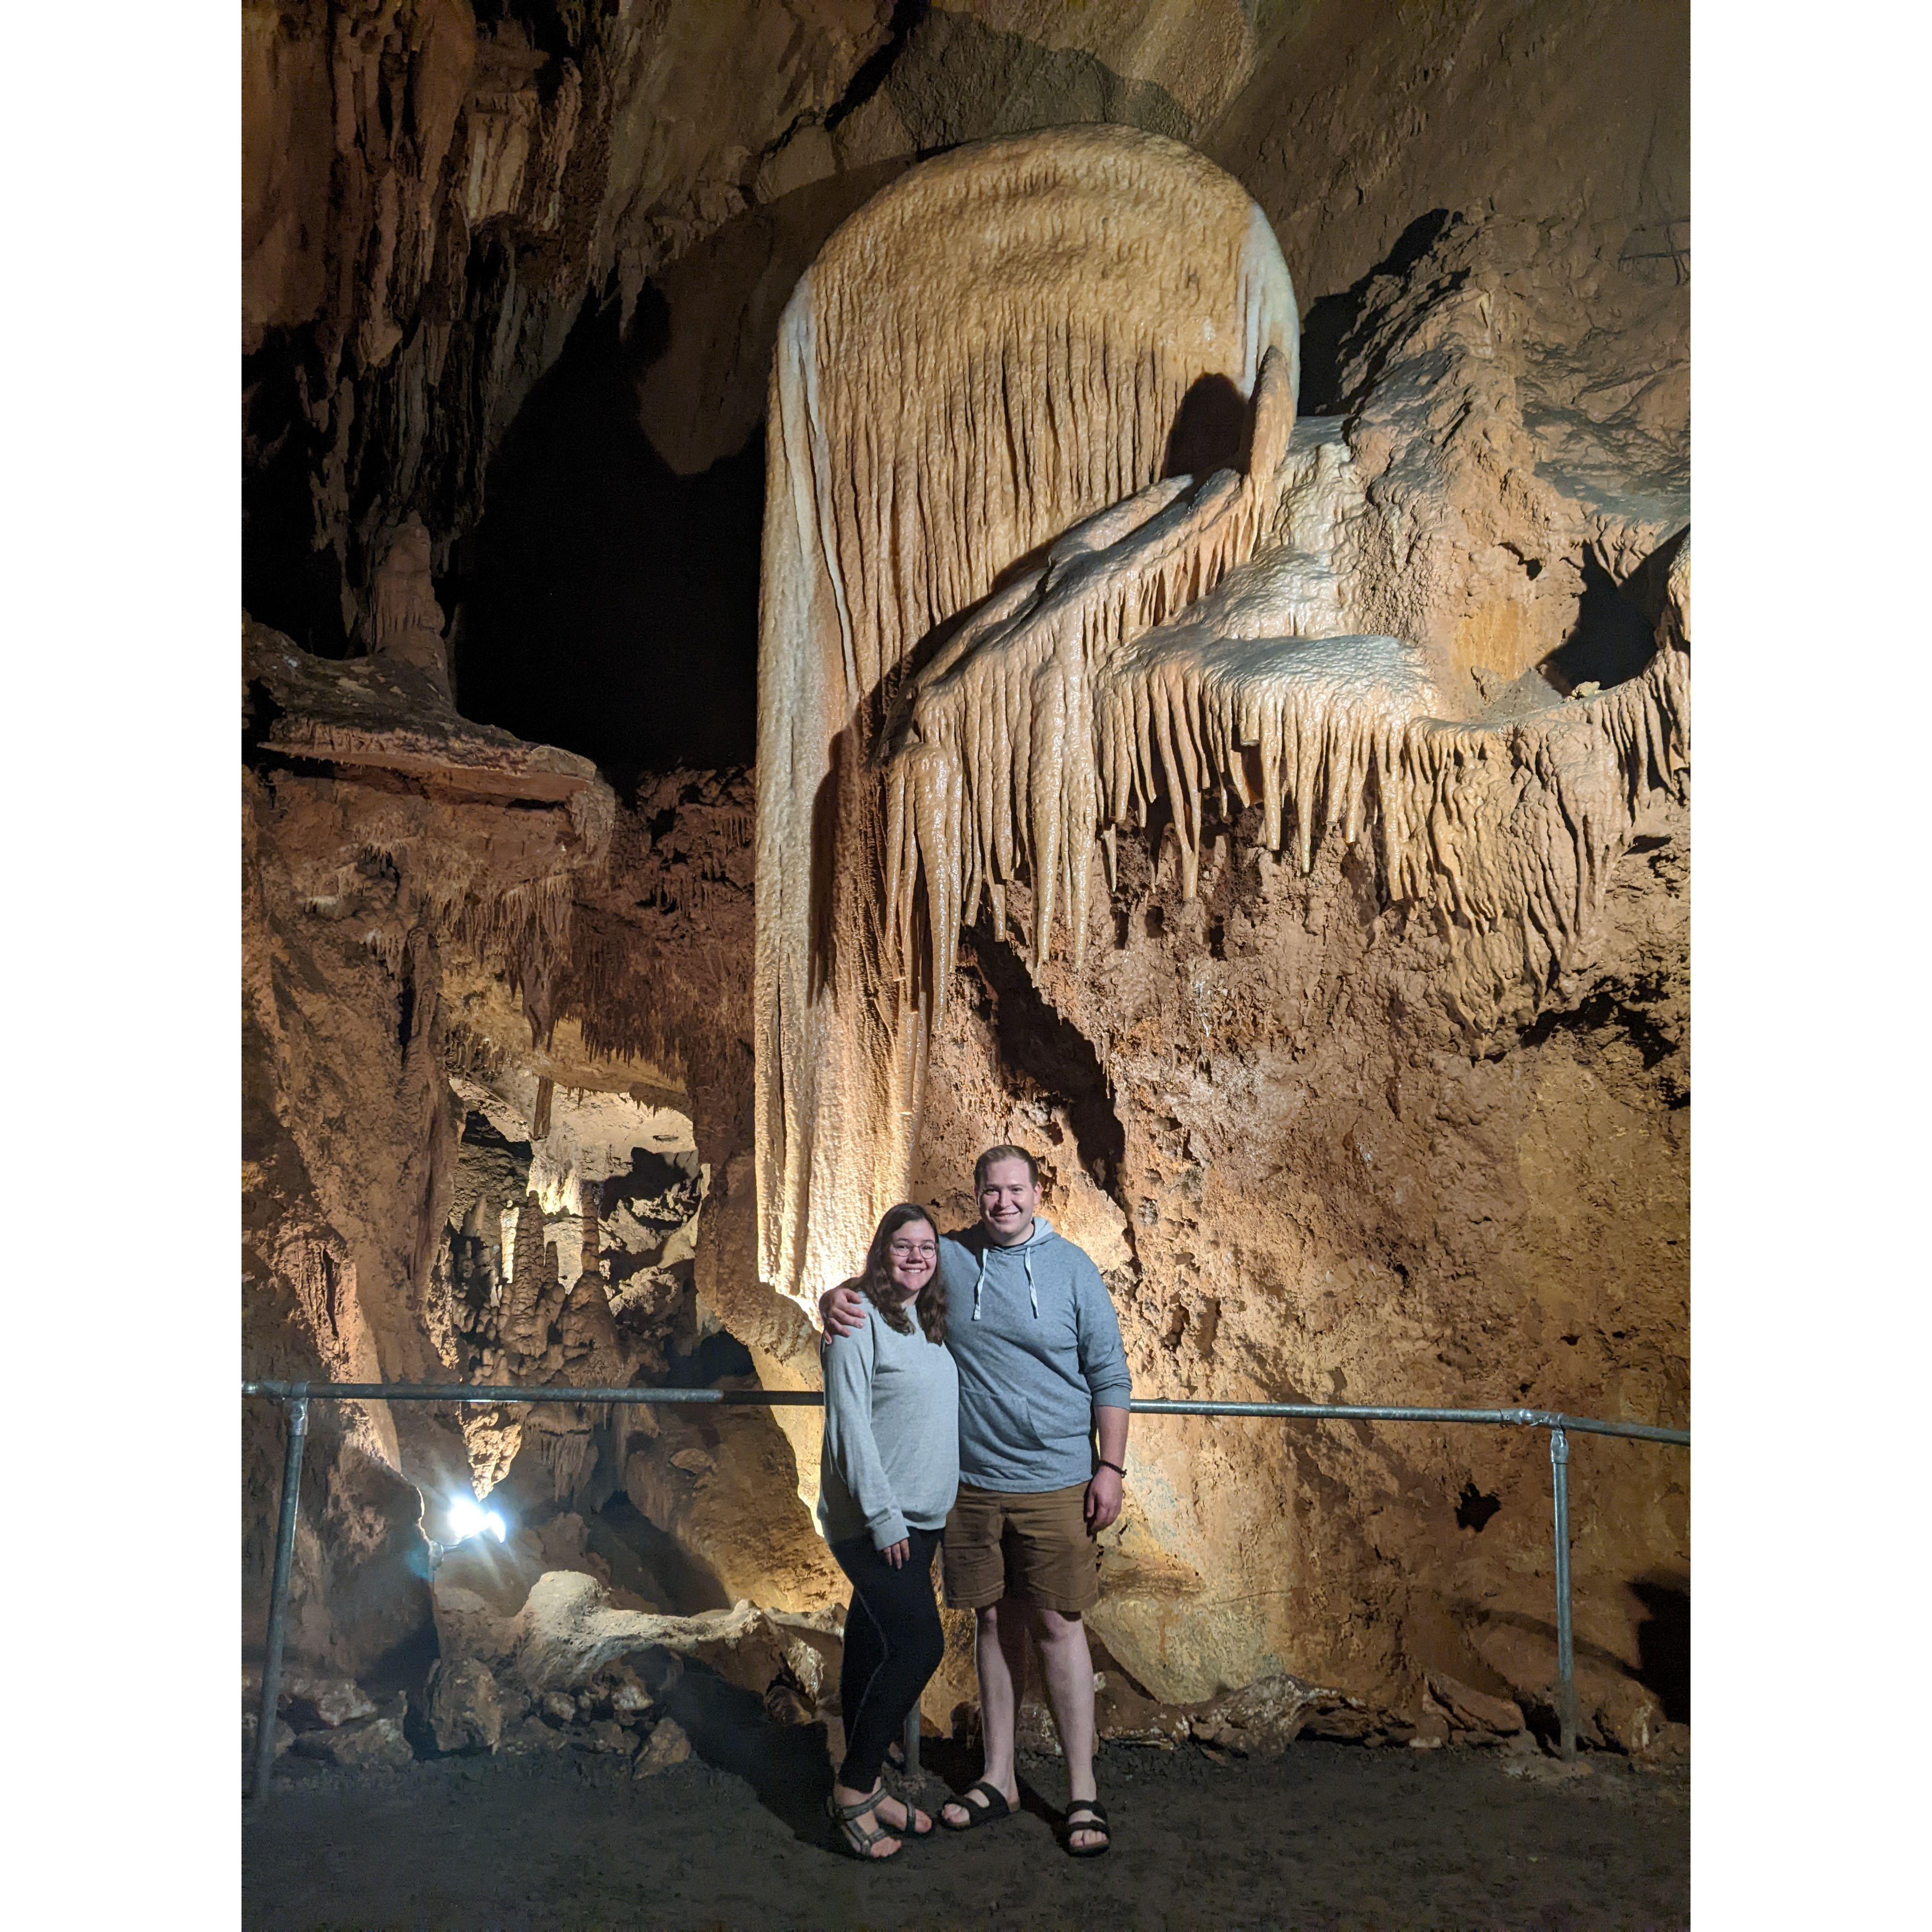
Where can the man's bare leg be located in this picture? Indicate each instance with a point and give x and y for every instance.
(1067, 1665)
(999, 1654)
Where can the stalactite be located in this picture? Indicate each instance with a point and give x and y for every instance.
(1056, 719)
(524, 926)
(986, 775)
(564, 1442)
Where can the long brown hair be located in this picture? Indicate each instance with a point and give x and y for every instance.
(875, 1281)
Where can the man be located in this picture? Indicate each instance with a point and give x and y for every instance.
(1041, 1373)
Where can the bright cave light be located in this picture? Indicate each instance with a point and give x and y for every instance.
(468, 1519)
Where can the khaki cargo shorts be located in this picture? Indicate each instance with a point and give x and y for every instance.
(1032, 1546)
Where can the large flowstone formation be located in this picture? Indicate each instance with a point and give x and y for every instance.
(1008, 340)
(972, 361)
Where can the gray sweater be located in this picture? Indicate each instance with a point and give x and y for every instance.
(1034, 1332)
(892, 1434)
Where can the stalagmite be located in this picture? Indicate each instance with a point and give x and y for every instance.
(1007, 341)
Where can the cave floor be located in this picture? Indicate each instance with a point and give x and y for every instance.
(1330, 1836)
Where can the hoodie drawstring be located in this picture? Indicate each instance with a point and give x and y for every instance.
(1026, 1261)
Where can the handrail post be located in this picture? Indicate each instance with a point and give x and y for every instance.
(1566, 1655)
(278, 1592)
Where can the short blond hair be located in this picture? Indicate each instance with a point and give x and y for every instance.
(1005, 1152)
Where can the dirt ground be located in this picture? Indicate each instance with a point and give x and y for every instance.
(1330, 1836)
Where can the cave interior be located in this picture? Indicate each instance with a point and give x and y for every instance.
(1364, 1080)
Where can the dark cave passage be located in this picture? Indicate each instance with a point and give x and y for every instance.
(1612, 638)
(1663, 1644)
(609, 605)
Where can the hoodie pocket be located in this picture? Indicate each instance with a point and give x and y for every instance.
(1005, 1429)
(1060, 1418)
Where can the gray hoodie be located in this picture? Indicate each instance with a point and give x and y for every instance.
(891, 1456)
(1032, 1332)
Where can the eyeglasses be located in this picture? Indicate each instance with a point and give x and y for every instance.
(904, 1251)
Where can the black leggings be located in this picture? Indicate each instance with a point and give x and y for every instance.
(893, 1644)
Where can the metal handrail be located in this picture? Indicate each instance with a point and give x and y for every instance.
(295, 1397)
(1301, 1411)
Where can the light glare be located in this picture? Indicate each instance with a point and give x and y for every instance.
(468, 1519)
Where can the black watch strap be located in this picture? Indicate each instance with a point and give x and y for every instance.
(1115, 1467)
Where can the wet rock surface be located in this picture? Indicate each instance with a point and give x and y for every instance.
(1325, 1837)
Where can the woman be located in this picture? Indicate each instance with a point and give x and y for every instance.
(887, 1477)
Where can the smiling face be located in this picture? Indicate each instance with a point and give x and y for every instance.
(912, 1253)
(1008, 1196)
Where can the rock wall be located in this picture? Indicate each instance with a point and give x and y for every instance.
(1309, 1204)
(1331, 904)
(1356, 120)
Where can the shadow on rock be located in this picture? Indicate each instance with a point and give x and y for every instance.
(785, 1765)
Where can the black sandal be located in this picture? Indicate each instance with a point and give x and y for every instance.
(911, 1830)
(1095, 1820)
(995, 1807)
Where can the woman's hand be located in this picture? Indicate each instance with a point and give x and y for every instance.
(841, 1310)
(896, 1553)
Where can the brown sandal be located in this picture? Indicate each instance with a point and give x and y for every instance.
(858, 1839)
